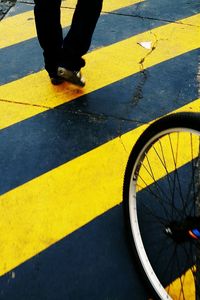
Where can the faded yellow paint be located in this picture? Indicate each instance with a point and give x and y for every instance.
(22, 26)
(110, 63)
(46, 209)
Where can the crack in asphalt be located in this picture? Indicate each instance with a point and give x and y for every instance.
(24, 103)
(91, 115)
(122, 143)
(138, 5)
(151, 18)
(5, 6)
(138, 95)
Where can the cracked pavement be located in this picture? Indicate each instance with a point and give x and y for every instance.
(5, 6)
(64, 149)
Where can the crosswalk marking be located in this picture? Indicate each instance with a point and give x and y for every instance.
(21, 27)
(46, 209)
(41, 212)
(122, 60)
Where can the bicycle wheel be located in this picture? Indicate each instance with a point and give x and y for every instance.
(161, 197)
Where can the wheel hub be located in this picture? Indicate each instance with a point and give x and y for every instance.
(181, 231)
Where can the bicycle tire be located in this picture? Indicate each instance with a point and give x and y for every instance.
(134, 203)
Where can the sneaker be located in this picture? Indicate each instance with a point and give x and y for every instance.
(56, 80)
(74, 77)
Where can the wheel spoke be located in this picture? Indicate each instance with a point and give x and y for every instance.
(165, 173)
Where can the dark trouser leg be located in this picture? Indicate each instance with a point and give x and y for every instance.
(78, 39)
(49, 31)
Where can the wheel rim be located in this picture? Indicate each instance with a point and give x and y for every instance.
(158, 198)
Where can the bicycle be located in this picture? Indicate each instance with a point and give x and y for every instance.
(161, 199)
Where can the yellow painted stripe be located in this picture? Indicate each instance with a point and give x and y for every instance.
(110, 63)
(184, 287)
(153, 165)
(22, 27)
(12, 112)
(129, 141)
(37, 214)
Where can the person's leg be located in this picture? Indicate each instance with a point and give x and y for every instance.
(78, 39)
(49, 31)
